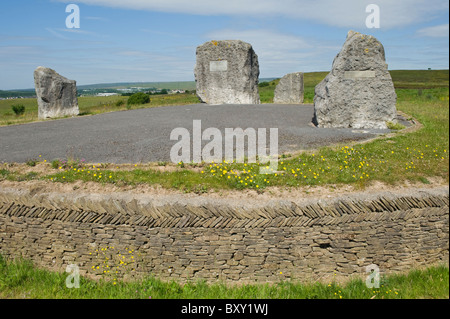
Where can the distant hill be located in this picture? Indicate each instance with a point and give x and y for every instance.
(183, 85)
(420, 79)
(403, 79)
(18, 93)
(266, 80)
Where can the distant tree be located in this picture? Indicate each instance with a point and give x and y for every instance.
(139, 98)
(164, 91)
(18, 109)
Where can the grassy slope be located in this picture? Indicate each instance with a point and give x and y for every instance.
(403, 79)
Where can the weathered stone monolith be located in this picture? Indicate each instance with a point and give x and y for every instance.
(56, 95)
(227, 72)
(358, 92)
(290, 89)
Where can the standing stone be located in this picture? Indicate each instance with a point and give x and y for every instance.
(358, 92)
(290, 89)
(56, 95)
(227, 72)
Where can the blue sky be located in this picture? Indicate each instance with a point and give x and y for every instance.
(155, 40)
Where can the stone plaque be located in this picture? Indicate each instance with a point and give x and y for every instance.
(218, 66)
(359, 74)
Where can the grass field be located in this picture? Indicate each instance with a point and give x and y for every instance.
(20, 279)
(88, 106)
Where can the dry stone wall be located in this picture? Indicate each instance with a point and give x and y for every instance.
(214, 240)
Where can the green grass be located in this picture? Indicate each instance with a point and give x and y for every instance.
(418, 79)
(183, 180)
(21, 279)
(89, 105)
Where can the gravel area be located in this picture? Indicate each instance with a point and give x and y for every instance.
(141, 136)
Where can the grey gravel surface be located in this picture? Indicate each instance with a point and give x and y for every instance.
(141, 136)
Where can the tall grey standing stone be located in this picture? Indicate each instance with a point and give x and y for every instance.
(290, 89)
(227, 72)
(358, 92)
(56, 95)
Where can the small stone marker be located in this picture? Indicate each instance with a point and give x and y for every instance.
(290, 90)
(227, 72)
(359, 74)
(218, 66)
(358, 92)
(56, 95)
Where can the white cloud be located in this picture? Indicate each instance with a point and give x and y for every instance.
(20, 38)
(438, 31)
(280, 53)
(76, 31)
(56, 34)
(63, 34)
(95, 18)
(262, 39)
(344, 13)
(145, 56)
(161, 33)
